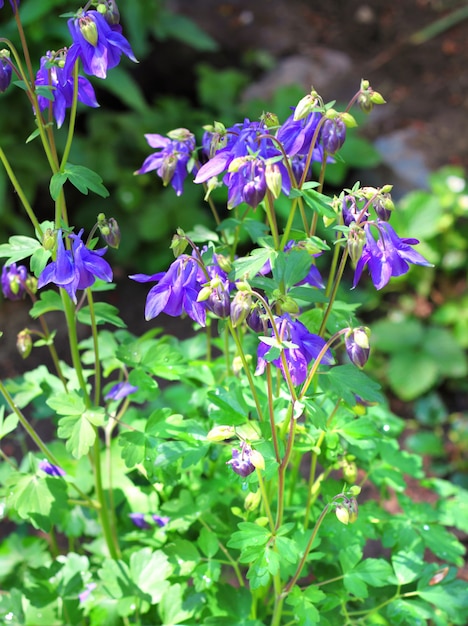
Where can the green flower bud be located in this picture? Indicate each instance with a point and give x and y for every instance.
(24, 343)
(224, 263)
(270, 120)
(257, 460)
(287, 304)
(356, 241)
(349, 471)
(179, 243)
(342, 514)
(252, 500)
(180, 134)
(305, 106)
(49, 239)
(273, 179)
(221, 433)
(240, 307)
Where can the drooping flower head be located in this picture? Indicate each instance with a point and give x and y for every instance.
(171, 161)
(96, 43)
(14, 281)
(176, 292)
(119, 391)
(77, 268)
(300, 348)
(387, 256)
(52, 470)
(5, 70)
(51, 74)
(241, 462)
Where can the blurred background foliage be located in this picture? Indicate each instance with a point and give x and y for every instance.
(419, 349)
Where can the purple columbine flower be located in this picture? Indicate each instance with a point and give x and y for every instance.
(388, 256)
(139, 520)
(333, 135)
(176, 292)
(51, 73)
(357, 345)
(247, 183)
(120, 391)
(240, 462)
(171, 161)
(75, 269)
(52, 470)
(14, 281)
(98, 44)
(5, 72)
(161, 520)
(300, 347)
(84, 595)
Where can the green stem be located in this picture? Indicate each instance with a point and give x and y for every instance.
(17, 187)
(271, 414)
(336, 284)
(97, 363)
(303, 560)
(224, 550)
(247, 370)
(71, 125)
(271, 216)
(283, 467)
(73, 343)
(112, 544)
(265, 501)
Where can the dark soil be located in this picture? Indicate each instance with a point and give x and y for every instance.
(424, 84)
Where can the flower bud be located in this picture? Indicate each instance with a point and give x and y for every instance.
(5, 70)
(13, 281)
(180, 134)
(24, 343)
(89, 30)
(257, 460)
(221, 433)
(110, 231)
(240, 307)
(270, 120)
(168, 168)
(383, 206)
(287, 304)
(240, 462)
(333, 135)
(179, 243)
(108, 8)
(349, 471)
(305, 106)
(224, 263)
(49, 239)
(342, 514)
(356, 241)
(273, 179)
(219, 301)
(52, 470)
(357, 345)
(252, 500)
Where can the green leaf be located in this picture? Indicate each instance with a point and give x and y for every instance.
(18, 247)
(208, 542)
(451, 597)
(137, 447)
(252, 264)
(347, 382)
(67, 403)
(79, 432)
(149, 571)
(81, 177)
(407, 565)
(8, 423)
(48, 301)
(116, 580)
(40, 500)
(105, 314)
(39, 260)
(318, 202)
(249, 535)
(170, 606)
(304, 604)
(411, 374)
(291, 267)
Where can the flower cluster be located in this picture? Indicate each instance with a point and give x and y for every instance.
(386, 256)
(14, 281)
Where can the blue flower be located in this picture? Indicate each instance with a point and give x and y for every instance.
(120, 391)
(77, 268)
(161, 520)
(51, 73)
(176, 292)
(241, 462)
(14, 281)
(300, 348)
(171, 162)
(52, 470)
(5, 72)
(388, 256)
(98, 44)
(139, 520)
